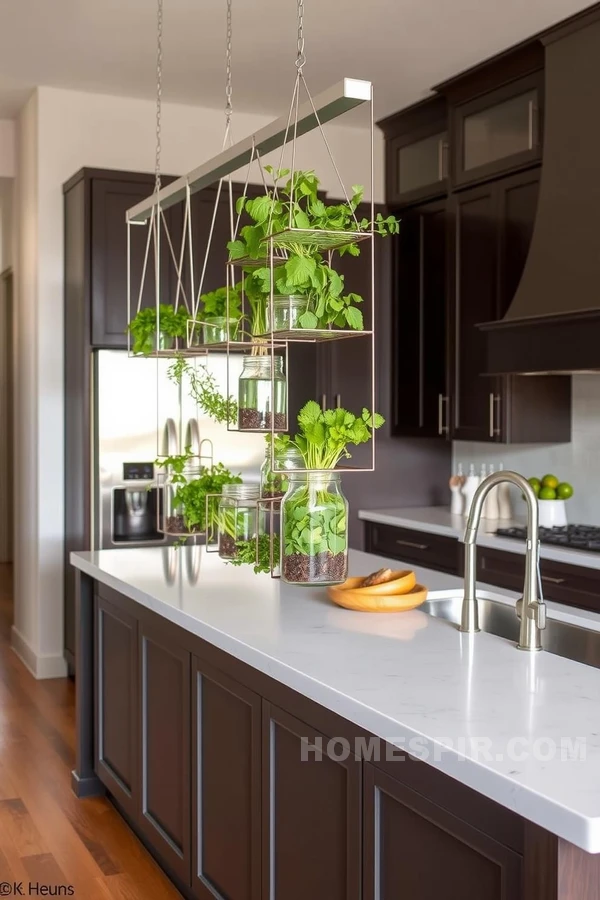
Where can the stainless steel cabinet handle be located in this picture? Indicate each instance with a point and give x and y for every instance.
(494, 403)
(338, 401)
(530, 136)
(412, 544)
(442, 429)
(323, 402)
(553, 580)
(442, 159)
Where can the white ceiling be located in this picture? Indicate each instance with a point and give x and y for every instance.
(403, 46)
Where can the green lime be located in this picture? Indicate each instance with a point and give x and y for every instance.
(564, 491)
(550, 481)
(547, 493)
(536, 485)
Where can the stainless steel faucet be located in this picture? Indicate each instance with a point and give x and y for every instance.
(531, 609)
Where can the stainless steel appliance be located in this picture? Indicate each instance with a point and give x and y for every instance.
(139, 415)
(577, 537)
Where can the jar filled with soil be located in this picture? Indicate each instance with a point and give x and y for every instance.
(237, 517)
(286, 312)
(314, 529)
(183, 506)
(262, 394)
(274, 481)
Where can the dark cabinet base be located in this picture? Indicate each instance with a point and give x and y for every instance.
(245, 790)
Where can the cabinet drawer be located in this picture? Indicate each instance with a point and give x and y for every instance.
(572, 585)
(433, 551)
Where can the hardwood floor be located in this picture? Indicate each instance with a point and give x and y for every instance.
(47, 835)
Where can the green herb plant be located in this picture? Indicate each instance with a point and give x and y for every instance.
(246, 554)
(172, 323)
(202, 386)
(193, 487)
(306, 271)
(214, 303)
(314, 517)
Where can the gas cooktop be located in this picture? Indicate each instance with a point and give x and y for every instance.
(577, 537)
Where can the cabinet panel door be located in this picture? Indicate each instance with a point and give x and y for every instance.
(110, 202)
(117, 751)
(517, 208)
(311, 815)
(166, 748)
(419, 322)
(225, 787)
(416, 849)
(475, 266)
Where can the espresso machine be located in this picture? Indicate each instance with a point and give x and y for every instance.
(140, 415)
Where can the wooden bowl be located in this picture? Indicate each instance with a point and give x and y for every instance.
(364, 602)
(402, 581)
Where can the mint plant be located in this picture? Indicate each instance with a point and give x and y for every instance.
(189, 501)
(214, 303)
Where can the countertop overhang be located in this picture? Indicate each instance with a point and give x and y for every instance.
(521, 729)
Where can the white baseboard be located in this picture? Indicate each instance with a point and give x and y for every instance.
(40, 666)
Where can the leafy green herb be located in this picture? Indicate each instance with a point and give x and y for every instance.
(246, 554)
(142, 327)
(306, 271)
(325, 435)
(190, 496)
(203, 389)
(314, 521)
(214, 303)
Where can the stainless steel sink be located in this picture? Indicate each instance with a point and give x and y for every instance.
(571, 641)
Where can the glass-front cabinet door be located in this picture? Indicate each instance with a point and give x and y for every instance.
(418, 168)
(498, 131)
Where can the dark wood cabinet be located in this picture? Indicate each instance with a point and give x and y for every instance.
(226, 778)
(285, 799)
(164, 722)
(110, 200)
(421, 548)
(311, 813)
(498, 131)
(492, 228)
(115, 701)
(414, 848)
(416, 155)
(562, 582)
(419, 359)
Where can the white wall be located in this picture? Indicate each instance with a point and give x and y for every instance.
(576, 462)
(59, 132)
(7, 148)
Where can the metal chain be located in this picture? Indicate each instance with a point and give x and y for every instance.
(228, 81)
(159, 61)
(301, 57)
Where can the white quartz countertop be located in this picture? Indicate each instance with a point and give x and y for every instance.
(439, 520)
(520, 728)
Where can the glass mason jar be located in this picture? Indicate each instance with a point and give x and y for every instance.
(314, 529)
(215, 329)
(237, 517)
(273, 482)
(286, 312)
(254, 394)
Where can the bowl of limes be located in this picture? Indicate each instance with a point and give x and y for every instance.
(551, 494)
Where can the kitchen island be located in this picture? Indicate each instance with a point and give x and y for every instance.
(267, 744)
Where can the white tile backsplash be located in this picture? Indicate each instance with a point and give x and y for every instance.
(577, 462)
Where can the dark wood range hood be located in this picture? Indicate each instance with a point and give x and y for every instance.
(553, 323)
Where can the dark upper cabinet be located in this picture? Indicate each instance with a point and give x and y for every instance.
(414, 848)
(416, 161)
(474, 400)
(110, 200)
(497, 132)
(419, 395)
(492, 225)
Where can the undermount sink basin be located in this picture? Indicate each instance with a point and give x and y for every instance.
(571, 641)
